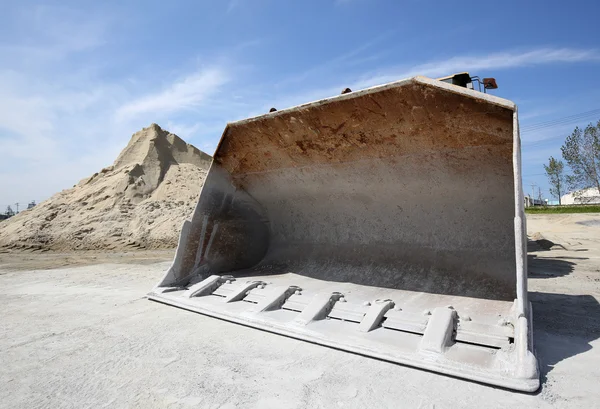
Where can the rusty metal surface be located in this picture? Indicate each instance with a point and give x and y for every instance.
(396, 122)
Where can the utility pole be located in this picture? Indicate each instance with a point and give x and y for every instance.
(533, 185)
(16, 204)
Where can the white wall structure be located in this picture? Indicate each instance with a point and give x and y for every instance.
(585, 196)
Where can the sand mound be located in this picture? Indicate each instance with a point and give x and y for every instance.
(139, 201)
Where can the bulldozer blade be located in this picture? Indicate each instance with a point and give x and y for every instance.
(387, 222)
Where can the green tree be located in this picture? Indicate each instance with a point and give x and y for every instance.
(581, 151)
(556, 177)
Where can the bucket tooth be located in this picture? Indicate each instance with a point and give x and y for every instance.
(318, 308)
(204, 287)
(440, 329)
(277, 298)
(375, 314)
(242, 290)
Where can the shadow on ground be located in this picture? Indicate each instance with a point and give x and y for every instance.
(547, 267)
(563, 326)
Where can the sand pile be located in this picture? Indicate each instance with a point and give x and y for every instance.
(139, 201)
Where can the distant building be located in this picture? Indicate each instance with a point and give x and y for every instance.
(31, 205)
(529, 201)
(584, 196)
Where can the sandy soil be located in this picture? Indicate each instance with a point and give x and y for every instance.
(86, 337)
(19, 260)
(140, 201)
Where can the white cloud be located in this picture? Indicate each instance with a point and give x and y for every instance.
(62, 118)
(189, 92)
(286, 96)
(51, 136)
(474, 63)
(350, 58)
(203, 136)
(52, 128)
(59, 123)
(528, 114)
(182, 130)
(48, 34)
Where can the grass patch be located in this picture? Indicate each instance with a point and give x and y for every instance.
(563, 209)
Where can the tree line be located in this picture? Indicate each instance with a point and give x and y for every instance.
(581, 152)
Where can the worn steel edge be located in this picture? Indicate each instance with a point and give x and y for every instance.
(487, 377)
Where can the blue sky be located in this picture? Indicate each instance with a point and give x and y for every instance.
(78, 78)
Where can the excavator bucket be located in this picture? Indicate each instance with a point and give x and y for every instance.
(387, 222)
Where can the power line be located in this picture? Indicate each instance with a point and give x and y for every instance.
(554, 123)
(542, 141)
(561, 121)
(570, 118)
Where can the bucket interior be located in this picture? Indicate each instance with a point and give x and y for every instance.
(409, 187)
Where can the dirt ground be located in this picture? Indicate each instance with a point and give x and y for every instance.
(76, 332)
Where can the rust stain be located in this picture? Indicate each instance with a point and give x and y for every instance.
(412, 119)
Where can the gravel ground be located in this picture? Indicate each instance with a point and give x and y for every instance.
(84, 336)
